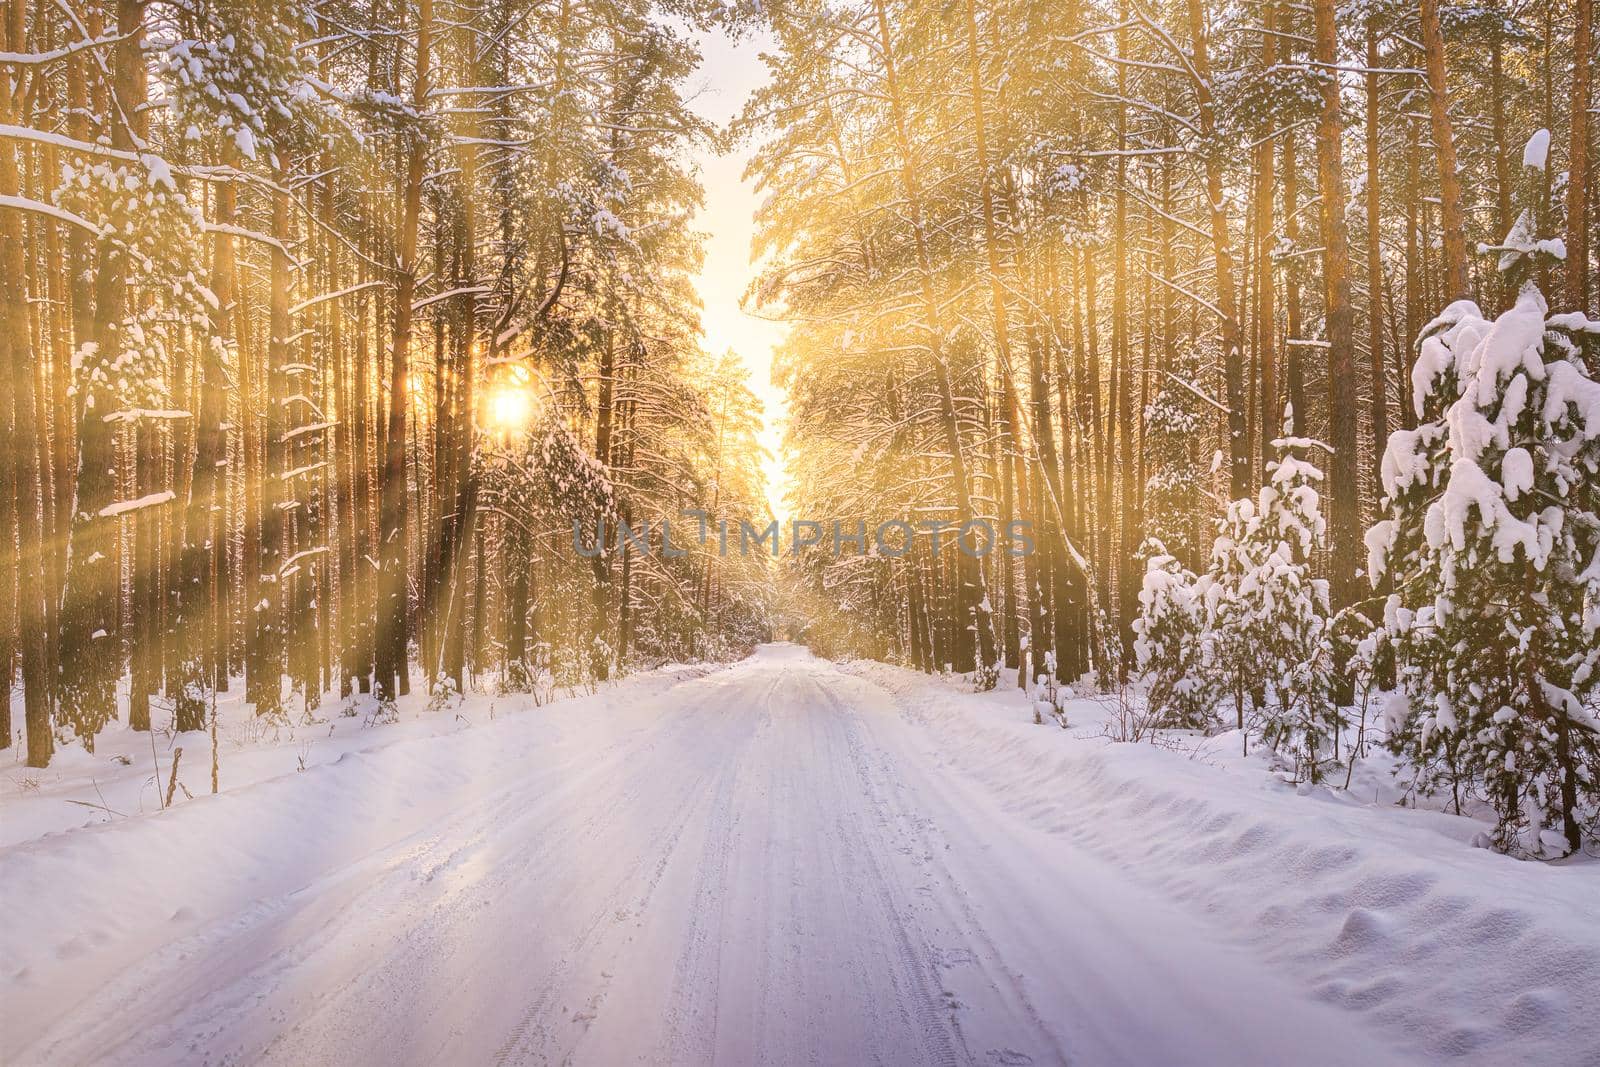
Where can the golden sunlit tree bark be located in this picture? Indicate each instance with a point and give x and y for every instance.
(1374, 186)
(1211, 148)
(1580, 278)
(1452, 217)
(90, 611)
(392, 661)
(22, 508)
(1344, 483)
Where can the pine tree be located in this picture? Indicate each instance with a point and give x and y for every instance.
(1167, 643)
(1291, 608)
(1229, 627)
(1265, 627)
(1492, 538)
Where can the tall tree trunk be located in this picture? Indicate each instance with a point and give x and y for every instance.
(1579, 276)
(1096, 429)
(1222, 256)
(1070, 598)
(1009, 459)
(1294, 346)
(204, 524)
(1271, 413)
(143, 636)
(1343, 483)
(1128, 417)
(12, 441)
(364, 612)
(1377, 369)
(1414, 279)
(302, 459)
(629, 443)
(1453, 219)
(22, 458)
(465, 488)
(270, 612)
(89, 617)
(1497, 131)
(13, 323)
(392, 669)
(600, 564)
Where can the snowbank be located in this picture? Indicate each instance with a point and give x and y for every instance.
(1458, 952)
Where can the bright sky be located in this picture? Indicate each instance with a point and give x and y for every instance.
(728, 74)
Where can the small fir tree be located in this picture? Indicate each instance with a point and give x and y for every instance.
(1167, 642)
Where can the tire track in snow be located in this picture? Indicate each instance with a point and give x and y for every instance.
(404, 886)
(918, 991)
(694, 798)
(977, 948)
(692, 1016)
(533, 1021)
(427, 939)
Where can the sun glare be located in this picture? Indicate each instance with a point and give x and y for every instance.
(509, 408)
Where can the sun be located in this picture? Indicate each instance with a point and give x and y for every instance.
(509, 407)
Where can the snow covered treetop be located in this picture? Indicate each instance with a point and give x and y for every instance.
(1522, 247)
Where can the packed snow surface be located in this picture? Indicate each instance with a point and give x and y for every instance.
(784, 861)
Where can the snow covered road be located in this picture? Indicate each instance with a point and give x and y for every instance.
(765, 864)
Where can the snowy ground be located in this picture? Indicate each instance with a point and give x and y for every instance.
(783, 861)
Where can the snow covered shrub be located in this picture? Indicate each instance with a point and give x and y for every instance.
(443, 694)
(1167, 643)
(1266, 633)
(1049, 697)
(572, 668)
(1291, 607)
(602, 658)
(1358, 648)
(516, 675)
(1491, 538)
(1229, 631)
(985, 676)
(529, 673)
(383, 712)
